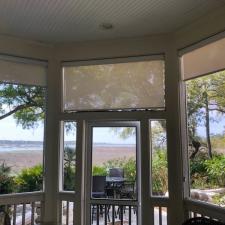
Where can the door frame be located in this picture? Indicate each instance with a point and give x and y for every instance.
(88, 167)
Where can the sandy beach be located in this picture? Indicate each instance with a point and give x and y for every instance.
(18, 160)
(103, 154)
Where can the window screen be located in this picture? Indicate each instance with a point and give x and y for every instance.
(133, 85)
(204, 60)
(17, 71)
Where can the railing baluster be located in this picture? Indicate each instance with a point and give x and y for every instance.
(14, 214)
(24, 214)
(32, 213)
(106, 212)
(160, 215)
(67, 212)
(41, 211)
(121, 214)
(73, 213)
(129, 215)
(113, 214)
(97, 214)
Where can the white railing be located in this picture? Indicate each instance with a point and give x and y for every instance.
(105, 212)
(196, 208)
(160, 205)
(67, 215)
(22, 208)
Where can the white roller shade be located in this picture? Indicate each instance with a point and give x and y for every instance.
(22, 72)
(204, 60)
(133, 85)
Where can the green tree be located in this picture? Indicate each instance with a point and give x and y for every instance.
(69, 168)
(25, 103)
(204, 96)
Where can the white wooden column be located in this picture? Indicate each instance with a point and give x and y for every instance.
(147, 209)
(51, 154)
(175, 209)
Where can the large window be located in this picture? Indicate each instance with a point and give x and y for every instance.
(133, 85)
(205, 97)
(22, 116)
(111, 174)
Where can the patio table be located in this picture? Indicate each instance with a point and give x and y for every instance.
(115, 184)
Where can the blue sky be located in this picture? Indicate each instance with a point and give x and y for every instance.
(10, 131)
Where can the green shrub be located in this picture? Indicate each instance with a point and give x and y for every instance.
(69, 178)
(7, 184)
(69, 169)
(207, 173)
(30, 179)
(130, 169)
(99, 171)
(159, 172)
(216, 169)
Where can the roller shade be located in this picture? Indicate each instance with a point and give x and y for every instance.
(22, 71)
(133, 85)
(204, 60)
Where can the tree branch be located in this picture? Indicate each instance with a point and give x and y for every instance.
(19, 107)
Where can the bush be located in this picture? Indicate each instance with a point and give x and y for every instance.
(7, 184)
(216, 170)
(207, 173)
(69, 178)
(69, 169)
(159, 172)
(30, 179)
(99, 171)
(130, 169)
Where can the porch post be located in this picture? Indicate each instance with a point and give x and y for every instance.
(175, 209)
(51, 154)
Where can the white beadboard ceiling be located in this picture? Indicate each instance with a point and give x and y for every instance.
(55, 21)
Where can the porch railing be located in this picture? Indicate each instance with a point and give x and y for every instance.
(22, 208)
(196, 208)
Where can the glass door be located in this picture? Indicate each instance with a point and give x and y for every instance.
(112, 173)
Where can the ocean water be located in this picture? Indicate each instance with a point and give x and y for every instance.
(17, 146)
(8, 147)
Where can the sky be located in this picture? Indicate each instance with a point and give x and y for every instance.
(10, 131)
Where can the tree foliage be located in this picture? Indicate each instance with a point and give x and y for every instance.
(69, 168)
(205, 98)
(30, 179)
(25, 103)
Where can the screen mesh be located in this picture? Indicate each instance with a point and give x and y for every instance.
(22, 73)
(133, 85)
(204, 60)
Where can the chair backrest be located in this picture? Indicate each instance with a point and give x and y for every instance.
(98, 183)
(202, 221)
(116, 172)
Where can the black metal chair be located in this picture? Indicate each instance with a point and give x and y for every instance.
(128, 190)
(202, 221)
(98, 186)
(116, 172)
(98, 191)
